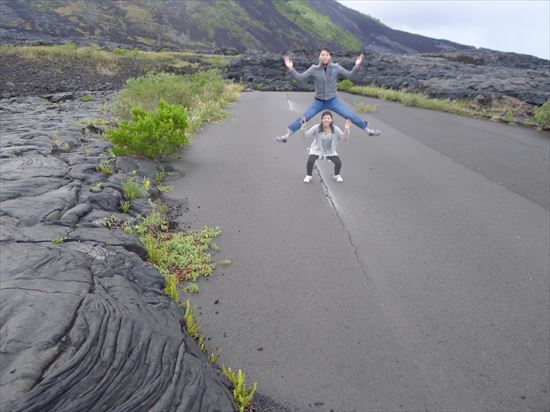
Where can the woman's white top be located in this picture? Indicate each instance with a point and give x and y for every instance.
(324, 143)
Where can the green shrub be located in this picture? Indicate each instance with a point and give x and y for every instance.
(154, 135)
(345, 85)
(542, 115)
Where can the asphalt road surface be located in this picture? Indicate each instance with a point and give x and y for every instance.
(420, 283)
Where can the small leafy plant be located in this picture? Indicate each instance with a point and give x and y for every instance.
(154, 135)
(134, 189)
(105, 168)
(191, 325)
(125, 206)
(242, 394)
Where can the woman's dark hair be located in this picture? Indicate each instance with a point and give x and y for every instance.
(325, 49)
(321, 124)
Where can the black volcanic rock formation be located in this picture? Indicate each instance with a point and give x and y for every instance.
(85, 323)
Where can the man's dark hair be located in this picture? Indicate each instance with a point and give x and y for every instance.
(325, 49)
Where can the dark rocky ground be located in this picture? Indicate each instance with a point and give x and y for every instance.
(477, 74)
(455, 75)
(86, 324)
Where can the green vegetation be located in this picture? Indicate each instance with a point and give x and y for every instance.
(57, 241)
(241, 392)
(87, 98)
(310, 20)
(154, 135)
(95, 59)
(505, 109)
(410, 99)
(55, 138)
(98, 122)
(205, 95)
(224, 16)
(542, 116)
(105, 168)
(184, 256)
(125, 206)
(96, 187)
(191, 326)
(363, 107)
(134, 189)
(509, 118)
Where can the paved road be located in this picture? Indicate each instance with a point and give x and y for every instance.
(420, 283)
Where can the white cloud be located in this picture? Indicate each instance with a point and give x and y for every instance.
(513, 26)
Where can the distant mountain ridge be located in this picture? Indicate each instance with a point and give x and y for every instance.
(243, 25)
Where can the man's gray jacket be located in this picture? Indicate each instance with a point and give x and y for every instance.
(324, 78)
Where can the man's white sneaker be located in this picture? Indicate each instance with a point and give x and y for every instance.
(338, 178)
(307, 179)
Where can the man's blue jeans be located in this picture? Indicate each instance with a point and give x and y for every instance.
(335, 105)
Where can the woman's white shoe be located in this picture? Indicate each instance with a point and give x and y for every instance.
(338, 178)
(307, 179)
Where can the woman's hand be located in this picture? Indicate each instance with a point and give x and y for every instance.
(303, 123)
(288, 62)
(359, 61)
(347, 124)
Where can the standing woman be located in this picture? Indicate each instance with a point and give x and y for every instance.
(325, 75)
(325, 140)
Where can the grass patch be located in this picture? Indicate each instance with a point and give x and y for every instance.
(87, 98)
(505, 108)
(410, 99)
(363, 107)
(541, 116)
(204, 95)
(96, 59)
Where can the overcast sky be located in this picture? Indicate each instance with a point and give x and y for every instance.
(520, 26)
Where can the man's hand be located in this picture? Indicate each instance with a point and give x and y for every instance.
(359, 61)
(303, 123)
(288, 62)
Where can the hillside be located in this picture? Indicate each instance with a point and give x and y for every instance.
(244, 25)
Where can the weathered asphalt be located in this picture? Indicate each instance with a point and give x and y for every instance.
(420, 283)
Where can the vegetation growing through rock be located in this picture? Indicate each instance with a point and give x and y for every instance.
(241, 392)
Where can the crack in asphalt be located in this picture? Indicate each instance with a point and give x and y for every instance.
(333, 204)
